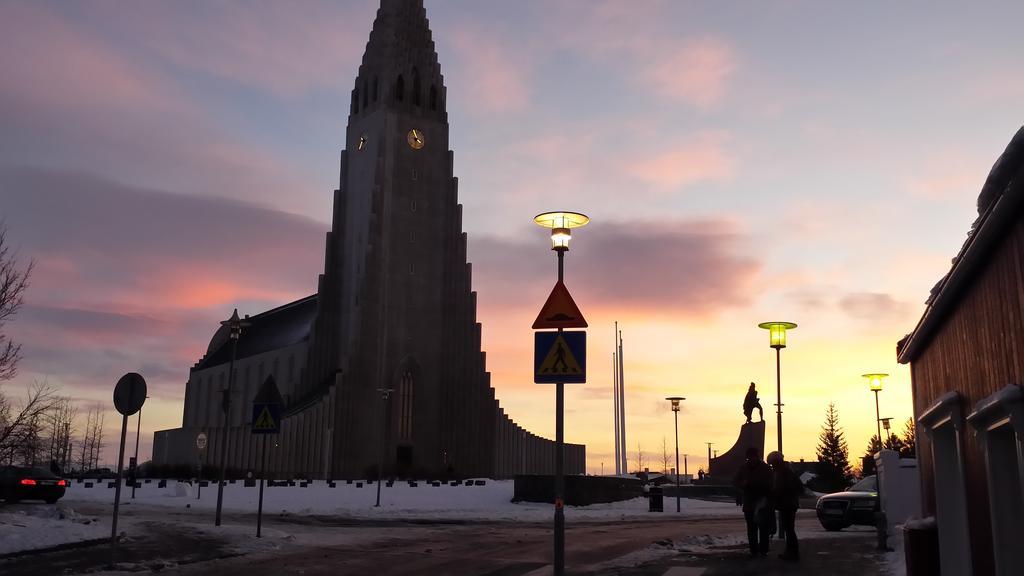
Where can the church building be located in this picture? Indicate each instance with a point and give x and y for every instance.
(393, 309)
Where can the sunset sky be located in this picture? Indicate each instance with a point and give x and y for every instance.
(165, 162)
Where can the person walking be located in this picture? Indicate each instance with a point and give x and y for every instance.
(754, 482)
(786, 491)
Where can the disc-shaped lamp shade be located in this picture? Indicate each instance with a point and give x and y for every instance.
(675, 402)
(777, 332)
(561, 224)
(875, 380)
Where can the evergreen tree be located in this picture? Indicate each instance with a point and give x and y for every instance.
(909, 439)
(833, 454)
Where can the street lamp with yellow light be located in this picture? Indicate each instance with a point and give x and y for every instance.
(777, 340)
(675, 409)
(875, 380)
(561, 224)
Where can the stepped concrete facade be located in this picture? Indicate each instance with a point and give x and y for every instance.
(394, 309)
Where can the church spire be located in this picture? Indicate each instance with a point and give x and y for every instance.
(399, 67)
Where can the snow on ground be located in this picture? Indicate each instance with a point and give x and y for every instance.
(895, 564)
(29, 526)
(401, 501)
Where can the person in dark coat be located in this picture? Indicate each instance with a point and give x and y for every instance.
(754, 482)
(751, 401)
(55, 468)
(786, 491)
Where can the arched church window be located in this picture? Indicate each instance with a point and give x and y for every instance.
(399, 89)
(405, 399)
(415, 87)
(433, 97)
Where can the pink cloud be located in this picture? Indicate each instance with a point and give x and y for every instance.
(948, 175)
(71, 89)
(696, 72)
(693, 268)
(693, 70)
(54, 64)
(284, 49)
(702, 159)
(496, 72)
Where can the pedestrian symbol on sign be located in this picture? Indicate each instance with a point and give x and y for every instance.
(560, 360)
(560, 357)
(265, 421)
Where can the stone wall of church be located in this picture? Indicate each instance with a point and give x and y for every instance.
(203, 389)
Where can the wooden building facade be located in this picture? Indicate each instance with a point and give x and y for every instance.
(967, 365)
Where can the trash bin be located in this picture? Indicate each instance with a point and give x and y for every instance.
(921, 546)
(656, 499)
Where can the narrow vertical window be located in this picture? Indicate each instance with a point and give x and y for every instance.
(416, 87)
(405, 396)
(354, 109)
(375, 84)
(366, 95)
(399, 89)
(433, 97)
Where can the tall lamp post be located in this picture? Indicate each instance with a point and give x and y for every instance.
(561, 225)
(777, 340)
(675, 411)
(875, 380)
(885, 426)
(708, 471)
(385, 394)
(235, 325)
(138, 431)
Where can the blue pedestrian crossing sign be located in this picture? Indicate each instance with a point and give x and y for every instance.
(266, 418)
(560, 357)
(266, 408)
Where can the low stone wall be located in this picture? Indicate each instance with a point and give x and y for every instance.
(579, 490)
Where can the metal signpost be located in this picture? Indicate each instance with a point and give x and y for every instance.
(266, 419)
(129, 396)
(235, 325)
(135, 460)
(560, 357)
(201, 441)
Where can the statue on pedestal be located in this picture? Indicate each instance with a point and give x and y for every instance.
(750, 402)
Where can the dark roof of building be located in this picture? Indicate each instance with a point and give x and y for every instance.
(1000, 207)
(270, 330)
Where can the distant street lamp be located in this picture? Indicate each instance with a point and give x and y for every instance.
(777, 340)
(885, 426)
(675, 411)
(876, 380)
(561, 225)
(385, 394)
(235, 325)
(138, 431)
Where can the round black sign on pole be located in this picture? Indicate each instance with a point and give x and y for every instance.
(130, 393)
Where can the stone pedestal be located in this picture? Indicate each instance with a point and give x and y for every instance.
(723, 468)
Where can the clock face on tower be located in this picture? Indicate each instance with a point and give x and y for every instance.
(415, 139)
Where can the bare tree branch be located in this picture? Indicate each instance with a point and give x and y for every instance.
(13, 283)
(20, 432)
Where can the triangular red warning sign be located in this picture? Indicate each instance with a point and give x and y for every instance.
(560, 311)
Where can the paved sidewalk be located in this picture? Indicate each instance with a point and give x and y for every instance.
(849, 554)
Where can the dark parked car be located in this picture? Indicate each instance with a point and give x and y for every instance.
(855, 506)
(18, 483)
